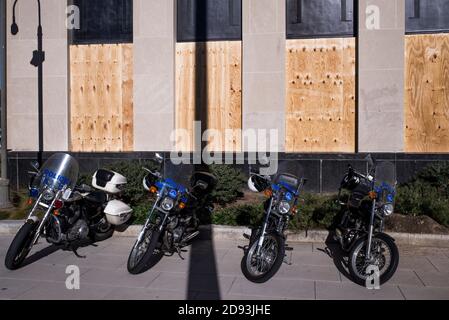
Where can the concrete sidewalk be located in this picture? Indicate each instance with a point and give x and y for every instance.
(211, 270)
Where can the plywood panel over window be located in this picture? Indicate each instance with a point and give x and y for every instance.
(101, 92)
(320, 111)
(427, 93)
(209, 89)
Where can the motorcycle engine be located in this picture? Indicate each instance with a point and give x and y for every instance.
(67, 227)
(79, 231)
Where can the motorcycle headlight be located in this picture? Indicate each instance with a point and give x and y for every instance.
(167, 204)
(388, 209)
(284, 207)
(48, 195)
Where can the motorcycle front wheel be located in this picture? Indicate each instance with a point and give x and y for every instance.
(144, 252)
(21, 245)
(385, 258)
(259, 267)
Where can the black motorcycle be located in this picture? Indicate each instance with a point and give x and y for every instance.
(173, 219)
(67, 214)
(267, 244)
(359, 227)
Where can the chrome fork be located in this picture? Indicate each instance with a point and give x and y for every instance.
(264, 229)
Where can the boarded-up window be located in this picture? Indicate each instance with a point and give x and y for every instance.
(103, 21)
(427, 93)
(209, 73)
(320, 76)
(320, 18)
(427, 16)
(101, 77)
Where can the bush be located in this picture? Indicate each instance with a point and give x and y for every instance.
(314, 211)
(243, 215)
(230, 184)
(427, 194)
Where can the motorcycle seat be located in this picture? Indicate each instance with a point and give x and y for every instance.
(97, 197)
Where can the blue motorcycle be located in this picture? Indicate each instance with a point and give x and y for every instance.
(172, 221)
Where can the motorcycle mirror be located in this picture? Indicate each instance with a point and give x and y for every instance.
(370, 160)
(158, 157)
(35, 165)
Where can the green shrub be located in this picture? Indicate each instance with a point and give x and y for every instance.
(314, 211)
(230, 184)
(243, 215)
(427, 194)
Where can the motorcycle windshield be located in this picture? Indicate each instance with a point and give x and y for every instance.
(385, 182)
(289, 175)
(59, 172)
(177, 176)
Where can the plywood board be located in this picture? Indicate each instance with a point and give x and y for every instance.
(320, 101)
(209, 89)
(427, 93)
(101, 95)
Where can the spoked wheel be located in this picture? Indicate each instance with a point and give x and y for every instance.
(260, 266)
(144, 252)
(384, 256)
(21, 245)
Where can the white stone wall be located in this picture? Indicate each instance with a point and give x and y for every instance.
(381, 78)
(154, 74)
(22, 77)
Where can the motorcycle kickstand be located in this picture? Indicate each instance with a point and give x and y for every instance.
(75, 252)
(179, 251)
(286, 260)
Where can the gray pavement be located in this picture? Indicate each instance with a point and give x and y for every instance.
(211, 270)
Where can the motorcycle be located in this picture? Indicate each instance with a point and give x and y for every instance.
(359, 228)
(172, 221)
(68, 214)
(267, 244)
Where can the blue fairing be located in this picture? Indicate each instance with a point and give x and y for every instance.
(169, 183)
(277, 187)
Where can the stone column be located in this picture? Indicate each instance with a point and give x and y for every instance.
(381, 75)
(154, 74)
(264, 66)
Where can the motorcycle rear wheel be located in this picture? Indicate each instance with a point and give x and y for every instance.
(143, 253)
(21, 245)
(261, 268)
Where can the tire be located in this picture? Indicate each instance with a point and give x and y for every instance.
(279, 243)
(17, 253)
(359, 247)
(102, 236)
(146, 260)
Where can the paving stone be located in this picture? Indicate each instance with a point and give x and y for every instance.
(416, 293)
(306, 272)
(401, 277)
(434, 279)
(417, 263)
(58, 291)
(351, 291)
(118, 278)
(196, 283)
(9, 289)
(96, 260)
(440, 262)
(312, 259)
(38, 272)
(281, 288)
(145, 294)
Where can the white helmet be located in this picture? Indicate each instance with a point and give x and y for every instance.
(257, 183)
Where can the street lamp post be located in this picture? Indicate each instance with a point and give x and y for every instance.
(37, 61)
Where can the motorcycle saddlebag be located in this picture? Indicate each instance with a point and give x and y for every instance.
(117, 212)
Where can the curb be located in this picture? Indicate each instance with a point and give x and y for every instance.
(216, 232)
